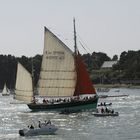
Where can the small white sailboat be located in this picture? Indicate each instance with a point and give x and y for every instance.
(6, 91)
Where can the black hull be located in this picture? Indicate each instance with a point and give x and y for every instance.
(75, 105)
(106, 104)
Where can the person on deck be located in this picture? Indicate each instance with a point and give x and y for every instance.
(44, 101)
(39, 125)
(112, 111)
(45, 122)
(31, 127)
(106, 110)
(34, 100)
(49, 122)
(102, 110)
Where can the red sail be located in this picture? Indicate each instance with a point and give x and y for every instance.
(84, 84)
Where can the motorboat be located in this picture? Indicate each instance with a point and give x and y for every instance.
(45, 129)
(105, 114)
(104, 104)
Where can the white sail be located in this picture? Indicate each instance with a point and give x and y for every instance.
(5, 90)
(24, 87)
(58, 75)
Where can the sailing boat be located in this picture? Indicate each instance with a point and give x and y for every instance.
(6, 91)
(64, 81)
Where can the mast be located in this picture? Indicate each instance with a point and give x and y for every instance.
(75, 41)
(32, 75)
(83, 82)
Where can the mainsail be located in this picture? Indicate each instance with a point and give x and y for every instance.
(24, 87)
(58, 75)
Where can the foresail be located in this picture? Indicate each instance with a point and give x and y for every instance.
(24, 87)
(57, 76)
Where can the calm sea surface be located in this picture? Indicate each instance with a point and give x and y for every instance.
(80, 126)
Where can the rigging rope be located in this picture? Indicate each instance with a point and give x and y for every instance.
(82, 42)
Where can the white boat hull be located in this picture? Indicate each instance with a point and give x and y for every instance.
(44, 130)
(105, 114)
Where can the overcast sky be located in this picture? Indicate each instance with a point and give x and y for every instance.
(109, 26)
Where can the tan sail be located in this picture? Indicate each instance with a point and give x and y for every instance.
(24, 87)
(57, 76)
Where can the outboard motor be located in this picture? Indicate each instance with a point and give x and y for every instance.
(21, 132)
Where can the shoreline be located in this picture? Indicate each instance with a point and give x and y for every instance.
(116, 86)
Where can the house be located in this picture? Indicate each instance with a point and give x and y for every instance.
(108, 64)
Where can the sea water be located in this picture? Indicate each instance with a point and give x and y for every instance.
(78, 126)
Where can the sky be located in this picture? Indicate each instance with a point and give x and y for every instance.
(109, 26)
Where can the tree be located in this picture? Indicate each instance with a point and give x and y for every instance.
(115, 58)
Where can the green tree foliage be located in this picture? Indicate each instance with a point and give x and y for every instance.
(115, 58)
(8, 68)
(36, 67)
(128, 67)
(95, 60)
(99, 59)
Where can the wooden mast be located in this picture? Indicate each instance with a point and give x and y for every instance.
(83, 83)
(75, 41)
(33, 76)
